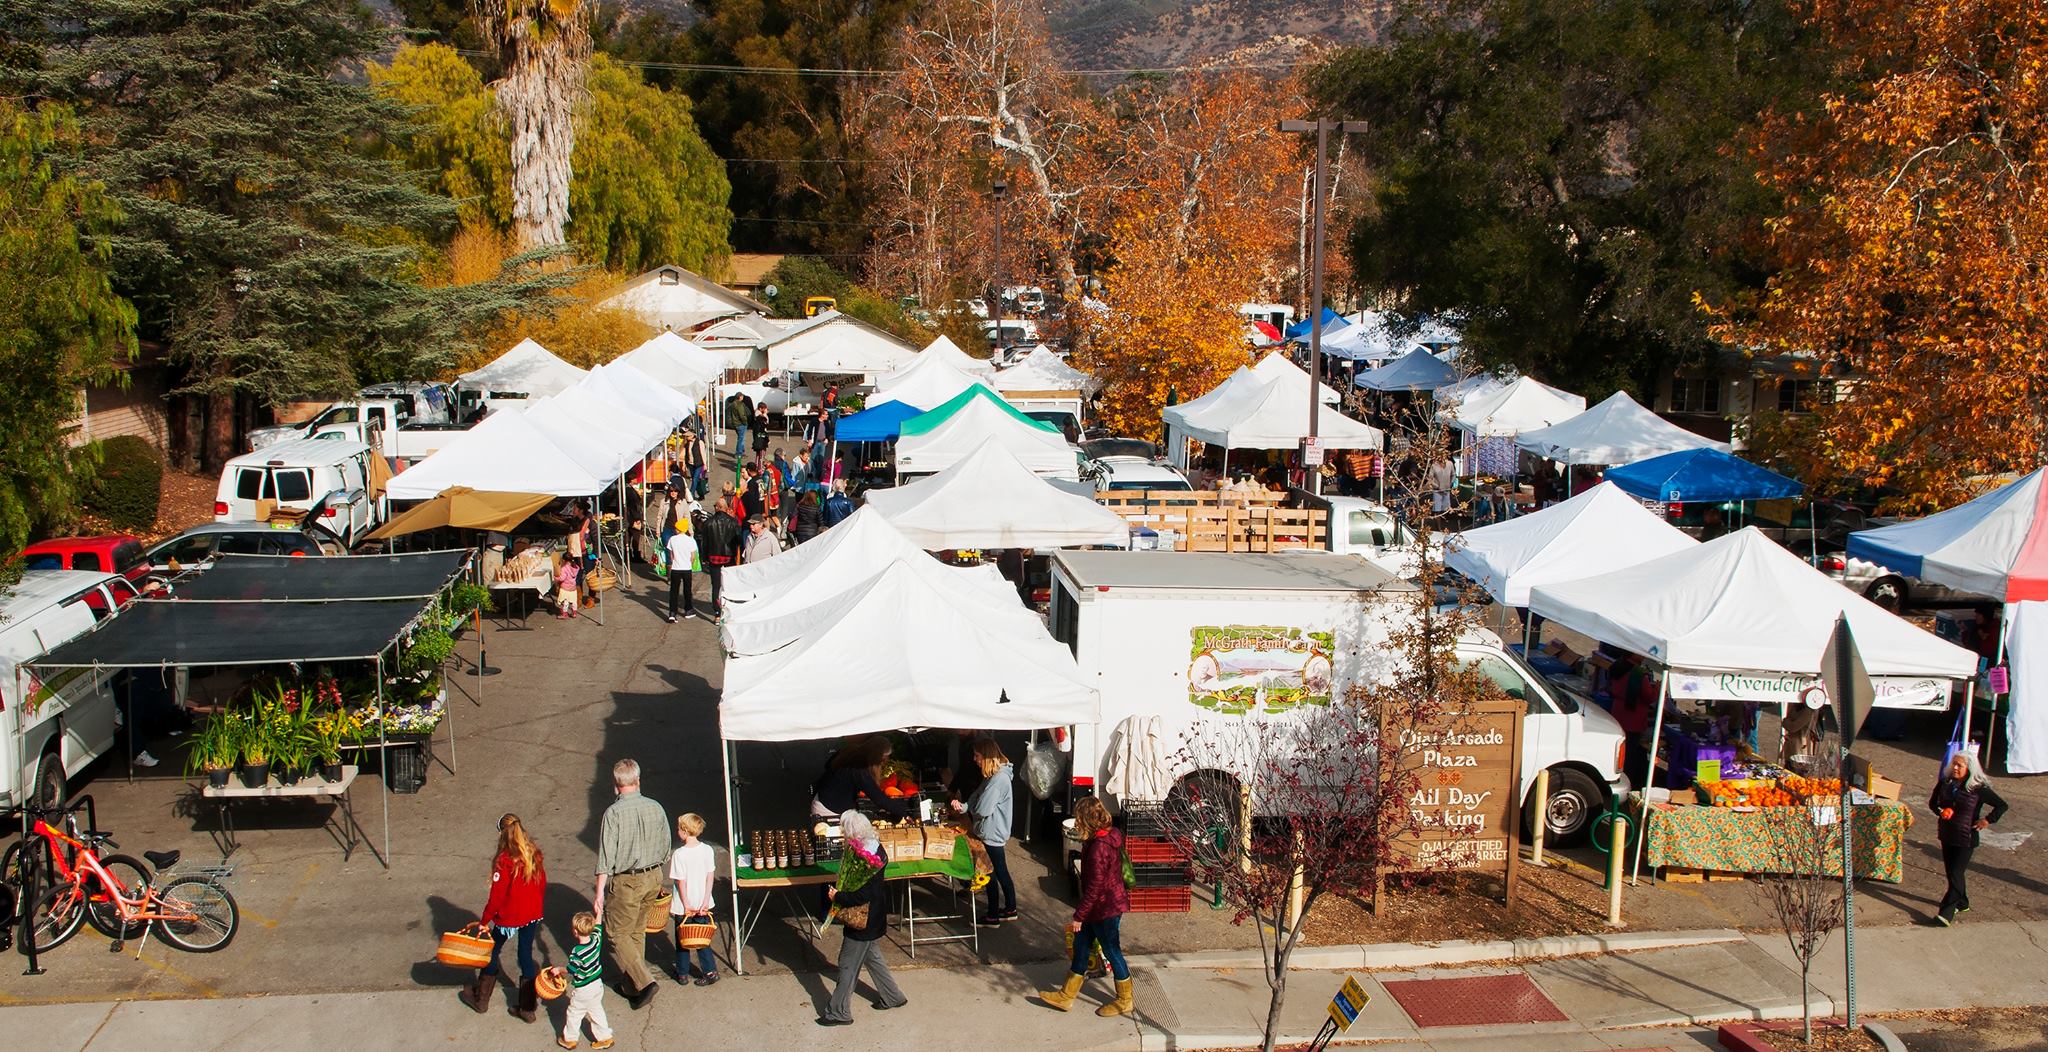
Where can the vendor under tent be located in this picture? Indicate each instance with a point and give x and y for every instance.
(1740, 618)
(927, 381)
(883, 423)
(945, 436)
(1994, 546)
(463, 508)
(1701, 475)
(528, 369)
(1617, 431)
(1418, 370)
(850, 552)
(504, 451)
(1598, 531)
(991, 500)
(173, 633)
(677, 362)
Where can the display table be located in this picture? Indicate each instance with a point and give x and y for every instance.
(1739, 840)
(779, 883)
(343, 819)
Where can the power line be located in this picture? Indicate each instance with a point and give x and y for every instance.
(808, 71)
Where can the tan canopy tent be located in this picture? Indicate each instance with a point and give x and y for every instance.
(465, 508)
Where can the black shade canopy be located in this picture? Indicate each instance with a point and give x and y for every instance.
(353, 577)
(156, 632)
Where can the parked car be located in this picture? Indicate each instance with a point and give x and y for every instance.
(73, 722)
(326, 479)
(200, 544)
(1133, 473)
(1100, 446)
(1893, 591)
(103, 553)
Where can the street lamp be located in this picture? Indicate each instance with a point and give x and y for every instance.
(997, 191)
(1322, 129)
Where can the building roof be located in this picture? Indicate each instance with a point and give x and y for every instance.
(669, 291)
(1299, 571)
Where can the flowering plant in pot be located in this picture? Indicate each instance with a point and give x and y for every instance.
(213, 751)
(255, 741)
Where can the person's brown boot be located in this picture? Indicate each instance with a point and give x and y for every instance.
(528, 1002)
(477, 994)
(1122, 1004)
(1063, 998)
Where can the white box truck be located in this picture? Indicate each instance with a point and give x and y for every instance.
(55, 722)
(1194, 636)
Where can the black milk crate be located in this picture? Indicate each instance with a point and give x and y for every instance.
(1160, 874)
(1146, 820)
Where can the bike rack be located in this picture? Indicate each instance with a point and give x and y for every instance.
(30, 869)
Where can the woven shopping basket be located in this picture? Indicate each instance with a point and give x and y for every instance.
(466, 947)
(602, 579)
(696, 936)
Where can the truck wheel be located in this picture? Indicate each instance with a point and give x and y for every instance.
(1575, 801)
(1888, 592)
(52, 789)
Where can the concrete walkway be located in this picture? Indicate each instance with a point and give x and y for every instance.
(1656, 998)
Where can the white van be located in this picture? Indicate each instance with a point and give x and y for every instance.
(1154, 631)
(328, 478)
(53, 723)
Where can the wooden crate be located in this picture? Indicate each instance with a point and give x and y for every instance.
(1689, 875)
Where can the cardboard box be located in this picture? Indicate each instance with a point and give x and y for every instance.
(1883, 788)
(939, 841)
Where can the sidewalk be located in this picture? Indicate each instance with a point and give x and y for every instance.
(1607, 1001)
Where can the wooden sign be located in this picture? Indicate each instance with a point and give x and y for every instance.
(1464, 809)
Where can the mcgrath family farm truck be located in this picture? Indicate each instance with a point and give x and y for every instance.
(1194, 636)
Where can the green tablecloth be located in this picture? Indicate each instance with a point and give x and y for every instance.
(960, 867)
(1768, 840)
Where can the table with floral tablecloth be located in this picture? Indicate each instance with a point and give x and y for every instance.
(1774, 839)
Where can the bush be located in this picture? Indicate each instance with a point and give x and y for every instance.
(125, 487)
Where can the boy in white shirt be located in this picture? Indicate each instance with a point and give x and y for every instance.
(682, 560)
(691, 869)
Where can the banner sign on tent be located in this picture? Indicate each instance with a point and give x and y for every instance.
(1893, 692)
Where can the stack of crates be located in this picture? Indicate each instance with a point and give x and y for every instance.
(1160, 863)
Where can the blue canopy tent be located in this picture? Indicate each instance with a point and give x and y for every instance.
(1700, 476)
(879, 424)
(1418, 370)
(1332, 321)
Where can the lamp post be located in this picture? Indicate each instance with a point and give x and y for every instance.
(997, 191)
(1322, 129)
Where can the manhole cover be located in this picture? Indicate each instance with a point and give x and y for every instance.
(1476, 1000)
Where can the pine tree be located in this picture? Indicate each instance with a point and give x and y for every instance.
(262, 242)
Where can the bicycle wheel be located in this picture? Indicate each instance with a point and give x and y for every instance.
(204, 916)
(57, 915)
(102, 910)
(15, 863)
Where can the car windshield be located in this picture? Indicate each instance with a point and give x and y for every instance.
(1151, 484)
(1118, 447)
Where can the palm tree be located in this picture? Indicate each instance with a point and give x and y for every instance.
(544, 50)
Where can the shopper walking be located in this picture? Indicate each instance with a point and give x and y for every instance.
(993, 806)
(807, 519)
(760, 425)
(519, 882)
(719, 544)
(691, 869)
(632, 848)
(761, 542)
(1957, 802)
(683, 560)
(586, 994)
(863, 906)
(1104, 901)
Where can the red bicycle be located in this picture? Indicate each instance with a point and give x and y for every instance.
(116, 894)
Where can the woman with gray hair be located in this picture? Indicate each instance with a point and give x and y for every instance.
(1957, 802)
(862, 904)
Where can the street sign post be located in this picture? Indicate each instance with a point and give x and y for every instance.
(1849, 688)
(1344, 1007)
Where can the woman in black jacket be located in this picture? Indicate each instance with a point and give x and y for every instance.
(861, 947)
(808, 519)
(1957, 802)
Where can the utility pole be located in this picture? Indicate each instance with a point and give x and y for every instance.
(997, 191)
(1322, 129)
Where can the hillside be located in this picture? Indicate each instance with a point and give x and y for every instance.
(1123, 34)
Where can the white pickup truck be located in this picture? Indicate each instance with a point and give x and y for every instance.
(407, 422)
(1145, 626)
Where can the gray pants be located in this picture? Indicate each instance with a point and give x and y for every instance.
(853, 953)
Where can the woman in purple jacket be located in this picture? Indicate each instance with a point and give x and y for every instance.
(1104, 901)
(1956, 803)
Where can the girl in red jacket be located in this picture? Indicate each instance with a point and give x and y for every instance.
(1104, 901)
(518, 883)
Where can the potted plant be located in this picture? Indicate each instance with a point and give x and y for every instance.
(289, 755)
(429, 650)
(255, 740)
(213, 752)
(326, 745)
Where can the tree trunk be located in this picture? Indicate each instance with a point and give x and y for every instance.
(539, 101)
(1282, 951)
(218, 446)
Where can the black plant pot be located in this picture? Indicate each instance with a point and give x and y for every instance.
(255, 775)
(290, 775)
(331, 772)
(217, 777)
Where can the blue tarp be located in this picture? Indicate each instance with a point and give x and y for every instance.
(1418, 370)
(879, 424)
(1701, 475)
(1332, 321)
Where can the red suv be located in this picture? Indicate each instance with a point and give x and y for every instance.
(115, 553)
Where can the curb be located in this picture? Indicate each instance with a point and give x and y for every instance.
(1401, 955)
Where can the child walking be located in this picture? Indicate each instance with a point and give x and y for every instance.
(565, 587)
(691, 869)
(586, 993)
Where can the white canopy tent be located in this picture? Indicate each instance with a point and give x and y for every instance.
(504, 451)
(623, 385)
(1600, 530)
(1275, 416)
(927, 382)
(1522, 405)
(1472, 387)
(678, 363)
(1617, 431)
(1278, 364)
(528, 369)
(836, 344)
(991, 500)
(1042, 370)
(605, 447)
(852, 549)
(944, 349)
(769, 624)
(1368, 338)
(589, 407)
(975, 423)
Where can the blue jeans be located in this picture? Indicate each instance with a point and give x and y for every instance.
(1102, 933)
(527, 933)
(707, 962)
(999, 881)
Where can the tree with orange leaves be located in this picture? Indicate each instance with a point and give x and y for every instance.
(1202, 209)
(1912, 245)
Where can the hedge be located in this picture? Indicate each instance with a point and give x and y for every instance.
(125, 488)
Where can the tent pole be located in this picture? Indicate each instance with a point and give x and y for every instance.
(384, 758)
(1969, 698)
(1650, 772)
(732, 854)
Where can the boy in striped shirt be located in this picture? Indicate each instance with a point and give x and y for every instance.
(586, 993)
